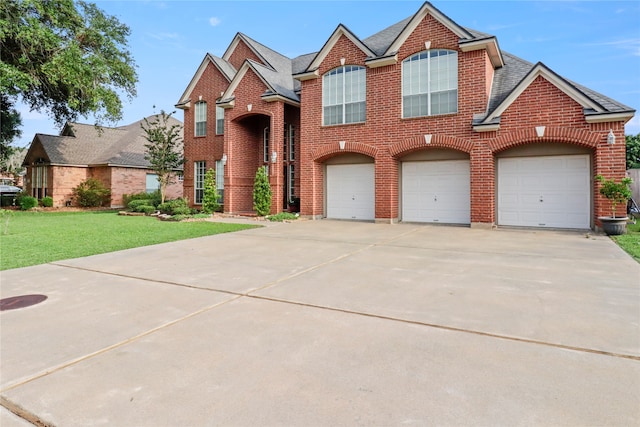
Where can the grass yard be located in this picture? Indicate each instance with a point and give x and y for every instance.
(39, 237)
(630, 242)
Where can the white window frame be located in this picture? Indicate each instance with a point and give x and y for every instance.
(265, 144)
(200, 118)
(292, 143)
(344, 87)
(220, 180)
(219, 120)
(199, 171)
(292, 181)
(427, 76)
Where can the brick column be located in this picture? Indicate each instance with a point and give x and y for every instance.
(482, 186)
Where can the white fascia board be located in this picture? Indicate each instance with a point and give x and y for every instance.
(184, 105)
(185, 98)
(490, 45)
(382, 61)
(540, 70)
(427, 9)
(276, 97)
(340, 31)
(487, 128)
(310, 75)
(609, 117)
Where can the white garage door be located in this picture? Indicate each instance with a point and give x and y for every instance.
(351, 191)
(552, 191)
(436, 191)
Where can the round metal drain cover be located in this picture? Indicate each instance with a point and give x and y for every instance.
(21, 301)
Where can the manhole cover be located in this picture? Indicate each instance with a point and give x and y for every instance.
(20, 301)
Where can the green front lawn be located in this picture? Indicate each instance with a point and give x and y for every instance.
(630, 242)
(40, 237)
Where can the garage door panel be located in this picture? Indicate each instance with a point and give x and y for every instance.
(351, 191)
(549, 191)
(436, 191)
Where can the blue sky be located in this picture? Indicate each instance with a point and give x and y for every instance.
(594, 43)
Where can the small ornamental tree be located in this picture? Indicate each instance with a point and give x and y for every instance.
(616, 192)
(164, 148)
(262, 192)
(210, 197)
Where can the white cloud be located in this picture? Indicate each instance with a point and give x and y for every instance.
(164, 36)
(633, 126)
(214, 21)
(631, 45)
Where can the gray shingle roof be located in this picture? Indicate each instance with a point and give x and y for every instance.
(85, 145)
(279, 70)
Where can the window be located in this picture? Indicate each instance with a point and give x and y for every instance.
(220, 180)
(430, 83)
(39, 181)
(265, 145)
(201, 118)
(199, 170)
(344, 92)
(292, 182)
(292, 143)
(152, 182)
(219, 120)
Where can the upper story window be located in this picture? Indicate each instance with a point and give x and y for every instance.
(344, 91)
(430, 83)
(219, 120)
(201, 118)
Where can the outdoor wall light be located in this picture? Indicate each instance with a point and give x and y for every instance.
(224, 159)
(611, 138)
(274, 156)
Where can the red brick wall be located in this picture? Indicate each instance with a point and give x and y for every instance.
(390, 137)
(132, 181)
(207, 148)
(241, 53)
(63, 179)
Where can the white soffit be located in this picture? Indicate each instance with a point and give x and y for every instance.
(339, 32)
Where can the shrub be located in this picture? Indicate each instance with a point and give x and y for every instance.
(210, 197)
(92, 193)
(262, 192)
(146, 209)
(28, 202)
(282, 216)
(152, 198)
(47, 202)
(141, 205)
(175, 207)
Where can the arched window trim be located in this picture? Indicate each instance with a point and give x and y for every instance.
(430, 83)
(344, 95)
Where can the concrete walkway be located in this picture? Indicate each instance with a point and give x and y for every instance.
(328, 323)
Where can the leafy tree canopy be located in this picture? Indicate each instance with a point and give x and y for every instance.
(10, 123)
(65, 58)
(633, 151)
(164, 148)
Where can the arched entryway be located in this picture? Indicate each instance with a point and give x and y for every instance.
(248, 145)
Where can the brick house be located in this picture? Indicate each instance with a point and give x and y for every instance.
(55, 165)
(425, 121)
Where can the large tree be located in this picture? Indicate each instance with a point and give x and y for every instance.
(633, 151)
(10, 122)
(164, 148)
(65, 58)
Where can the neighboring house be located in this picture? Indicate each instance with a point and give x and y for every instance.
(115, 156)
(425, 121)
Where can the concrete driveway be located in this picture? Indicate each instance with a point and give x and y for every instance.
(326, 323)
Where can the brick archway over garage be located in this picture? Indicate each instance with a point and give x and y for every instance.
(330, 150)
(579, 137)
(418, 143)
